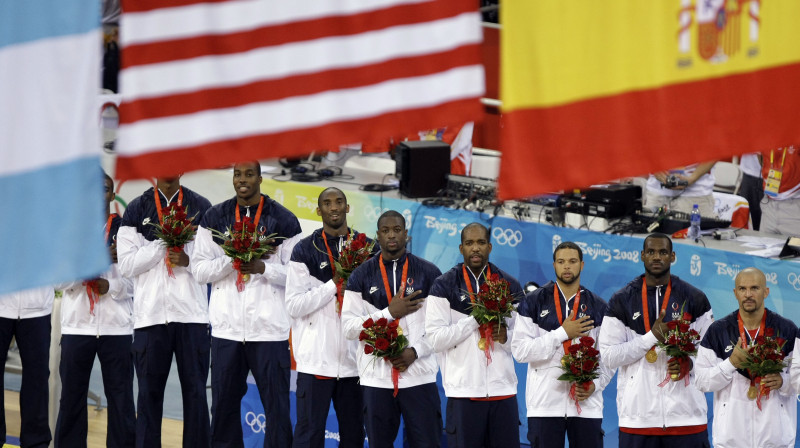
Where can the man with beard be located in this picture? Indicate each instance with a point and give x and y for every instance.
(326, 361)
(481, 395)
(743, 418)
(249, 325)
(390, 287)
(170, 313)
(651, 415)
(551, 319)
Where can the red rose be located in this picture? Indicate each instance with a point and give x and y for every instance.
(687, 316)
(357, 243)
(251, 227)
(392, 333)
(490, 305)
(255, 244)
(368, 349)
(694, 333)
(769, 332)
(381, 322)
(672, 325)
(484, 288)
(588, 365)
(494, 277)
(368, 323)
(689, 347)
(237, 227)
(672, 340)
(593, 352)
(684, 328)
(587, 341)
(573, 349)
(381, 344)
(394, 324)
(760, 340)
(780, 342)
(575, 370)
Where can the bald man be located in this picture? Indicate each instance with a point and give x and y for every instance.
(737, 420)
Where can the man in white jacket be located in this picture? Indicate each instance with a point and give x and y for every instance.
(170, 315)
(249, 328)
(742, 418)
(481, 394)
(652, 415)
(25, 315)
(393, 286)
(326, 360)
(97, 322)
(551, 319)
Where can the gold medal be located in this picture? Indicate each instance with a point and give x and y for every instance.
(245, 278)
(651, 355)
(675, 376)
(482, 344)
(752, 392)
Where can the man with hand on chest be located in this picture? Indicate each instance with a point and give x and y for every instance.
(392, 287)
(551, 319)
(480, 382)
(749, 410)
(249, 322)
(652, 413)
(326, 360)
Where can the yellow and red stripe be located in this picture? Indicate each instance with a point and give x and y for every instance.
(594, 91)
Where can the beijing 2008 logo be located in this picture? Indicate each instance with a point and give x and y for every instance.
(506, 237)
(257, 422)
(723, 26)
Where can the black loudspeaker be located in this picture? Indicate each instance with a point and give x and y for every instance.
(422, 167)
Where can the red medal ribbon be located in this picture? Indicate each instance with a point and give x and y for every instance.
(645, 311)
(744, 335)
(108, 226)
(92, 290)
(237, 263)
(161, 221)
(340, 283)
(395, 372)
(386, 278)
(486, 330)
(575, 305)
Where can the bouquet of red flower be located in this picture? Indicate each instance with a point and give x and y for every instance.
(493, 303)
(175, 231)
(243, 244)
(680, 344)
(355, 251)
(580, 365)
(384, 339)
(764, 356)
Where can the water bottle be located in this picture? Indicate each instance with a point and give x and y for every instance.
(694, 224)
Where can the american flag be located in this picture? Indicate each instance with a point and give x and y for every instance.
(205, 83)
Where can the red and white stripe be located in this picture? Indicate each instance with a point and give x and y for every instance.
(209, 83)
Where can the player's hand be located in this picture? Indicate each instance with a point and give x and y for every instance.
(738, 356)
(660, 328)
(403, 306)
(252, 267)
(405, 359)
(774, 381)
(582, 394)
(178, 258)
(500, 333)
(578, 327)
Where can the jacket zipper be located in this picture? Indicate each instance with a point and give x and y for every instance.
(244, 322)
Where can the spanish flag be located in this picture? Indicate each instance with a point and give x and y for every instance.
(598, 90)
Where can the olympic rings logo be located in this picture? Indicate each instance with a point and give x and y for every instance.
(506, 237)
(257, 422)
(794, 280)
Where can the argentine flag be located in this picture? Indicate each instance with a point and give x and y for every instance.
(51, 200)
